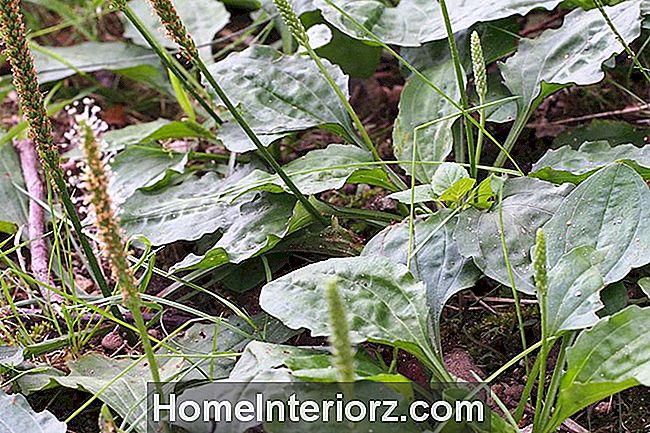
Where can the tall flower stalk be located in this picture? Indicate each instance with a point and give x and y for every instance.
(480, 81)
(25, 79)
(86, 130)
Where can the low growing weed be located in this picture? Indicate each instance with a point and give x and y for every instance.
(212, 237)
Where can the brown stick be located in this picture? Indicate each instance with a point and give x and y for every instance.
(36, 222)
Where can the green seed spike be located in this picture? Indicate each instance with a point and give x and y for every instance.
(176, 30)
(539, 264)
(340, 334)
(292, 21)
(478, 64)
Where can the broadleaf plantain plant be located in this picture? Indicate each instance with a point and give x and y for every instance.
(576, 225)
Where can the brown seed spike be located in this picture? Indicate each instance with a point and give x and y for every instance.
(174, 27)
(12, 31)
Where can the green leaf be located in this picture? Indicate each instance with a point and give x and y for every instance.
(143, 167)
(259, 357)
(305, 363)
(355, 58)
(180, 212)
(611, 357)
(446, 176)
(139, 133)
(414, 22)
(572, 54)
(15, 204)
(278, 94)
(504, 112)
(438, 263)
(458, 190)
(384, 303)
(573, 298)
(57, 63)
(527, 205)
(484, 195)
(421, 194)
(319, 170)
(18, 417)
(202, 18)
(569, 165)
(420, 104)
(253, 228)
(609, 212)
(193, 208)
(182, 96)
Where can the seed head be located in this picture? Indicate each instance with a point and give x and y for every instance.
(86, 132)
(18, 54)
(540, 266)
(292, 21)
(340, 334)
(478, 64)
(174, 27)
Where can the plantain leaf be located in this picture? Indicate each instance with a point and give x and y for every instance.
(569, 165)
(57, 63)
(446, 176)
(11, 356)
(573, 297)
(420, 104)
(16, 416)
(320, 170)
(527, 204)
(192, 209)
(570, 55)
(605, 360)
(421, 194)
(438, 263)
(414, 22)
(15, 204)
(181, 212)
(384, 303)
(202, 18)
(608, 212)
(143, 167)
(272, 218)
(259, 357)
(278, 94)
(308, 363)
